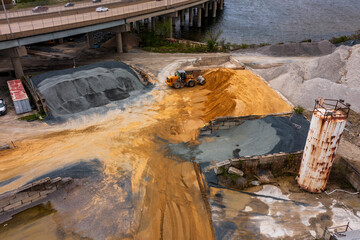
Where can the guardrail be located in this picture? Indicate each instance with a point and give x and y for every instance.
(63, 21)
(78, 5)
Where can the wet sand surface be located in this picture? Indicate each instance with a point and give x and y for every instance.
(280, 211)
(129, 185)
(138, 190)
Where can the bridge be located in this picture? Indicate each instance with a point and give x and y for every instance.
(21, 29)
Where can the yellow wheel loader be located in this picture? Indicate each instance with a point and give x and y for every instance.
(182, 79)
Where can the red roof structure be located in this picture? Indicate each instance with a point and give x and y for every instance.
(17, 90)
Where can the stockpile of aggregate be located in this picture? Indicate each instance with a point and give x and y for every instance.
(240, 93)
(78, 89)
(253, 137)
(294, 49)
(332, 76)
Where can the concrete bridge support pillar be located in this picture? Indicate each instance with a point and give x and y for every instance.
(214, 8)
(136, 26)
(90, 39)
(170, 19)
(153, 23)
(119, 42)
(149, 23)
(61, 40)
(119, 30)
(206, 9)
(14, 54)
(16, 62)
(182, 18)
(191, 17)
(199, 17)
(221, 4)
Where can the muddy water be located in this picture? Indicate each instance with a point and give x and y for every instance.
(139, 190)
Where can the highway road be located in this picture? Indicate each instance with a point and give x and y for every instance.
(16, 13)
(55, 23)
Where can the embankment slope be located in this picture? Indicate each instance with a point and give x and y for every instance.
(332, 76)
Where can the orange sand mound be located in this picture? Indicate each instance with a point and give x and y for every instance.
(239, 93)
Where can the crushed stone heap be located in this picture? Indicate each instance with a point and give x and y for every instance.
(333, 76)
(78, 89)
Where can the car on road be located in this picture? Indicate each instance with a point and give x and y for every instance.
(69, 4)
(102, 9)
(2, 107)
(95, 1)
(39, 9)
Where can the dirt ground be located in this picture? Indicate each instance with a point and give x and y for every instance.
(169, 202)
(160, 194)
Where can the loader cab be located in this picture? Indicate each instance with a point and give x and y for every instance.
(181, 74)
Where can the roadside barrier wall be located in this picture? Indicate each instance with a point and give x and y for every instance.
(208, 61)
(30, 193)
(278, 163)
(221, 123)
(351, 173)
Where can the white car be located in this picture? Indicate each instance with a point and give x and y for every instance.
(2, 107)
(102, 9)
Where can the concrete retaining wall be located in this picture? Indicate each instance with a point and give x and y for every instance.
(184, 41)
(221, 123)
(208, 61)
(351, 173)
(30, 193)
(278, 163)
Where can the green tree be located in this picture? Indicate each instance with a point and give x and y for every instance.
(212, 41)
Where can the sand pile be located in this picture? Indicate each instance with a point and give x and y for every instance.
(76, 90)
(240, 92)
(332, 76)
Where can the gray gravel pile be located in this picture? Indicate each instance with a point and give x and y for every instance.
(253, 137)
(75, 90)
(294, 49)
(332, 76)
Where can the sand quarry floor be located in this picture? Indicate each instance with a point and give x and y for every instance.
(138, 191)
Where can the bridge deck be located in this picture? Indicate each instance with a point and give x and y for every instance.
(45, 24)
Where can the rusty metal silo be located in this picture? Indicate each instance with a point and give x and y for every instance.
(327, 124)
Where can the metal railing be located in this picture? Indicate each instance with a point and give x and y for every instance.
(62, 18)
(337, 230)
(333, 107)
(78, 5)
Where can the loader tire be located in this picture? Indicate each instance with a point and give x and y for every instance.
(177, 85)
(191, 83)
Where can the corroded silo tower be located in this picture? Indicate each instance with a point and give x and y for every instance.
(327, 124)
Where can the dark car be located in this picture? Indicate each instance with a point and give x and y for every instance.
(39, 9)
(95, 1)
(69, 4)
(2, 107)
